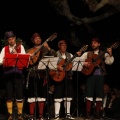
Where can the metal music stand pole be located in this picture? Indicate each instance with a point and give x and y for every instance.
(16, 61)
(35, 88)
(47, 97)
(66, 91)
(47, 78)
(77, 64)
(12, 64)
(66, 85)
(15, 109)
(77, 109)
(45, 64)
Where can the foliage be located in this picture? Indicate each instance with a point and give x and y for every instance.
(4, 42)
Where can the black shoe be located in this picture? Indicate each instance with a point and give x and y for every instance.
(20, 117)
(10, 117)
(31, 117)
(88, 117)
(69, 117)
(98, 116)
(40, 117)
(56, 117)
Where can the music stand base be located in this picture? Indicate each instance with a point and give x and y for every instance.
(67, 119)
(48, 116)
(78, 113)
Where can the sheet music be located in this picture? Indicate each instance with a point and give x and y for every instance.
(78, 64)
(48, 56)
(51, 62)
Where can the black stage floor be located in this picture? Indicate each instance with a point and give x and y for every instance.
(4, 117)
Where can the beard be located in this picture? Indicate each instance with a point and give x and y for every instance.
(95, 48)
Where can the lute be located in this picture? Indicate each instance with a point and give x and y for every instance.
(36, 52)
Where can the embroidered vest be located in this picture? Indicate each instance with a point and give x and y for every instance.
(101, 65)
(68, 56)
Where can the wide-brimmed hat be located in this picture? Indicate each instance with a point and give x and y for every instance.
(9, 34)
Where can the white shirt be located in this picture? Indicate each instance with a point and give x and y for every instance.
(108, 59)
(2, 54)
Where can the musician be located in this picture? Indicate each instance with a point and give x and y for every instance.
(112, 111)
(95, 80)
(37, 79)
(63, 89)
(106, 98)
(13, 76)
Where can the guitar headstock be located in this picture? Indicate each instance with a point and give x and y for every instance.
(115, 45)
(84, 48)
(52, 37)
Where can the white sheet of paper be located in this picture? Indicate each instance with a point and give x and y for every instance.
(78, 64)
(51, 62)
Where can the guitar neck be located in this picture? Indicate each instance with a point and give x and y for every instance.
(99, 56)
(37, 50)
(115, 45)
(76, 55)
(70, 60)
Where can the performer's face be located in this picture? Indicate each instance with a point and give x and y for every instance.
(37, 40)
(12, 41)
(95, 45)
(63, 47)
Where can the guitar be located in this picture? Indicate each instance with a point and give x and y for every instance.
(36, 52)
(58, 75)
(95, 60)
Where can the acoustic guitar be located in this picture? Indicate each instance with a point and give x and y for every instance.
(35, 52)
(95, 60)
(58, 75)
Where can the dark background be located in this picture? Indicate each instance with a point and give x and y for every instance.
(26, 18)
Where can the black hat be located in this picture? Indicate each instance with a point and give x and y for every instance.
(34, 36)
(9, 34)
(95, 39)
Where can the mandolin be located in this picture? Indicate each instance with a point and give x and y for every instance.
(95, 60)
(35, 52)
(58, 75)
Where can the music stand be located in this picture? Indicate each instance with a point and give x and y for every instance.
(15, 62)
(48, 63)
(77, 66)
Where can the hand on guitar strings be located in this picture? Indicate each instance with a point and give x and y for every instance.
(87, 64)
(47, 46)
(60, 68)
(79, 53)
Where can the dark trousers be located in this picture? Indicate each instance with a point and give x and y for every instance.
(14, 86)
